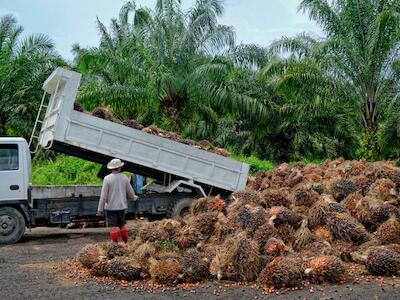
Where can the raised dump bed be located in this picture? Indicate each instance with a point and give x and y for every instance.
(82, 135)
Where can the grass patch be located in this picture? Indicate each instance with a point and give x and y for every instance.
(255, 163)
(65, 170)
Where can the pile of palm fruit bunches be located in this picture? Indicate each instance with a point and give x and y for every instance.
(292, 225)
(106, 114)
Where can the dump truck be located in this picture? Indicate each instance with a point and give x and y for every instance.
(179, 173)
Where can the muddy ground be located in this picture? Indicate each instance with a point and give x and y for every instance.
(32, 269)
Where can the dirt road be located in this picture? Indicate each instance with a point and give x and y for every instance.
(31, 270)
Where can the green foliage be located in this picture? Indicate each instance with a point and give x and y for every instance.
(24, 65)
(151, 58)
(255, 163)
(301, 99)
(168, 246)
(64, 170)
(367, 147)
(389, 138)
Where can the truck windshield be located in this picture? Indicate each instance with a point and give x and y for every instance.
(8, 157)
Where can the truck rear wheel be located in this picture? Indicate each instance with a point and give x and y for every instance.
(179, 208)
(12, 225)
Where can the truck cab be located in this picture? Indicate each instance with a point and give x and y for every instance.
(15, 172)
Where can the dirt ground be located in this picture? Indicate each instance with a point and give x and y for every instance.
(32, 269)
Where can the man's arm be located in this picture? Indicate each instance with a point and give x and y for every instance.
(130, 192)
(103, 197)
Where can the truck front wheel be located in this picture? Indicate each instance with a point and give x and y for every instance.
(179, 208)
(12, 225)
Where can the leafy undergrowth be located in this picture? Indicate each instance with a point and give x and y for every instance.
(64, 170)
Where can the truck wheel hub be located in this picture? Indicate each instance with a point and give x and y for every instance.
(7, 225)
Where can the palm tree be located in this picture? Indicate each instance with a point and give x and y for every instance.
(150, 63)
(360, 48)
(24, 65)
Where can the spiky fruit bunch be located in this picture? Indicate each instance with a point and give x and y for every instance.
(143, 253)
(364, 209)
(276, 181)
(152, 232)
(100, 269)
(304, 196)
(318, 212)
(347, 228)
(389, 232)
(383, 189)
(276, 197)
(383, 262)
(222, 228)
(282, 272)
(165, 271)
(124, 268)
(90, 255)
(340, 189)
(295, 177)
(265, 183)
(317, 185)
(394, 247)
(303, 236)
(283, 170)
(172, 226)
(194, 266)
(250, 217)
(350, 203)
(208, 251)
(205, 222)
(317, 248)
(286, 233)
(102, 113)
(301, 211)
(336, 207)
(246, 258)
(280, 215)
(200, 205)
(78, 107)
(383, 170)
(383, 212)
(217, 204)
(237, 258)
(132, 124)
(362, 183)
(323, 233)
(275, 247)
(314, 169)
(326, 269)
(114, 250)
(344, 249)
(358, 167)
(169, 255)
(187, 237)
(222, 265)
(247, 197)
(262, 234)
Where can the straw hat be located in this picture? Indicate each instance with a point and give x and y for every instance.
(115, 164)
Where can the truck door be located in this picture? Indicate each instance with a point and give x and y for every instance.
(11, 172)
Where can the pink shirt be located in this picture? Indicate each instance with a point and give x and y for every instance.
(116, 188)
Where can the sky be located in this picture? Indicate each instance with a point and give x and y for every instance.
(74, 21)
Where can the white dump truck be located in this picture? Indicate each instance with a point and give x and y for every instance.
(179, 172)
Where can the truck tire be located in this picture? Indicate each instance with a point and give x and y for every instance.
(12, 225)
(179, 208)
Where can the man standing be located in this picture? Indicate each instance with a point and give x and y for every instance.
(113, 200)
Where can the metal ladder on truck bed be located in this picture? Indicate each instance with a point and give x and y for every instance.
(39, 120)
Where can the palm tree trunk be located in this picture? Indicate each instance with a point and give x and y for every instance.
(370, 120)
